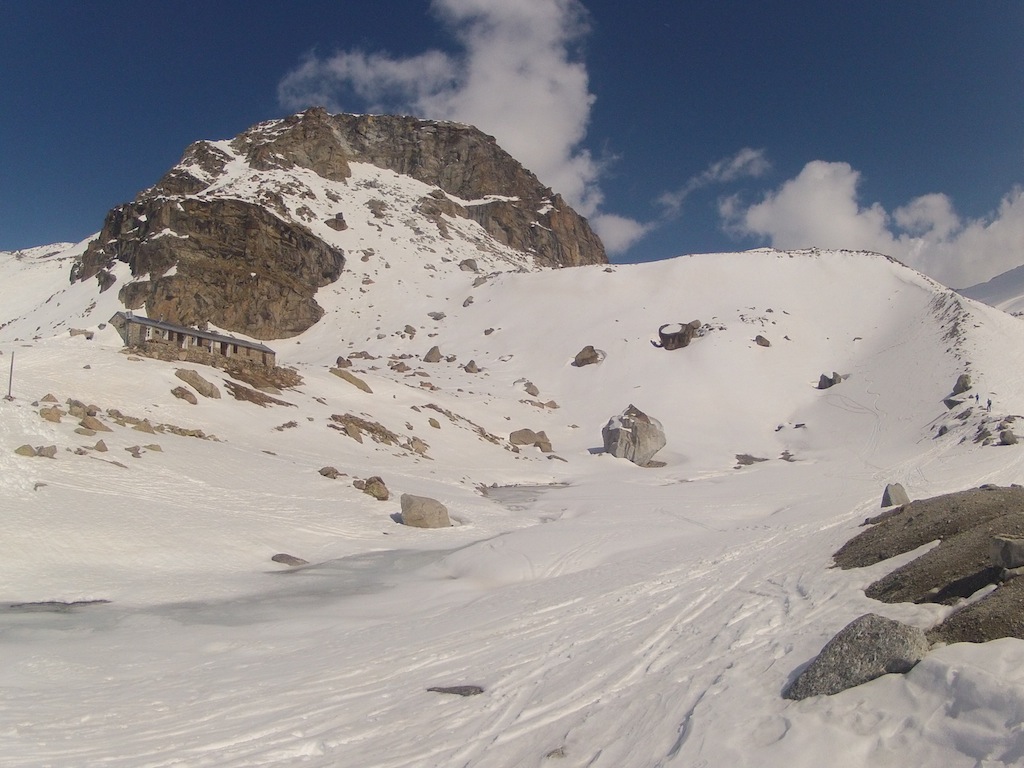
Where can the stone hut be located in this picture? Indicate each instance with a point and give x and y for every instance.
(191, 343)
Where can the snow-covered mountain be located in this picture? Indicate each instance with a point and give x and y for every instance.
(1004, 291)
(613, 615)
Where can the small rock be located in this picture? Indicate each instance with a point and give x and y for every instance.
(468, 301)
(344, 362)
(51, 414)
(48, 398)
(145, 426)
(330, 472)
(25, 450)
(153, 447)
(458, 690)
(436, 316)
(1007, 551)
(100, 447)
(374, 486)
(47, 452)
(185, 394)
(433, 356)
(469, 265)
(91, 422)
(963, 383)
(1006, 437)
(762, 341)
(586, 356)
(291, 560)
(352, 379)
(471, 367)
(531, 389)
(434, 423)
(198, 383)
(84, 432)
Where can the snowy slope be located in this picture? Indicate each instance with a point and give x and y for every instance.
(615, 616)
(1004, 291)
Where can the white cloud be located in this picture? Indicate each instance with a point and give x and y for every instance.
(820, 208)
(747, 163)
(618, 233)
(516, 77)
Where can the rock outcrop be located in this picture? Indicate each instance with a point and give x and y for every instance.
(252, 262)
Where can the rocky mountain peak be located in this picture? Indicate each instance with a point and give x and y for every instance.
(242, 233)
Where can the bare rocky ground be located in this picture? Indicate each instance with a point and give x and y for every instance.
(960, 565)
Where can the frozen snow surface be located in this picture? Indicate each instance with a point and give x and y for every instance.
(613, 615)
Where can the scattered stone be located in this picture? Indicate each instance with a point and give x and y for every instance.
(677, 335)
(330, 472)
(471, 367)
(374, 486)
(436, 316)
(488, 331)
(433, 356)
(434, 423)
(894, 495)
(135, 451)
(468, 301)
(761, 341)
(531, 388)
(81, 332)
(529, 437)
(1006, 437)
(145, 426)
(963, 383)
(344, 362)
(458, 690)
(36, 486)
(198, 383)
(469, 265)
(51, 414)
(352, 379)
(91, 422)
(480, 281)
(47, 452)
(747, 460)
(826, 381)
(185, 394)
(633, 435)
(25, 450)
(424, 512)
(84, 432)
(48, 398)
(867, 648)
(291, 560)
(154, 447)
(100, 447)
(587, 356)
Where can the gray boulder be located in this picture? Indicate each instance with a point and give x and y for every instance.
(633, 435)
(587, 356)
(866, 648)
(1006, 437)
(424, 512)
(529, 437)
(198, 383)
(433, 355)
(825, 381)
(894, 495)
(1007, 551)
(963, 383)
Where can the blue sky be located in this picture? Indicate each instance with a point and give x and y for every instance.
(675, 127)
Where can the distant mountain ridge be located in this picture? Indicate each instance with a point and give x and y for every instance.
(1004, 291)
(242, 233)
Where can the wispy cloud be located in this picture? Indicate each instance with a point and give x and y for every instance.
(517, 74)
(820, 208)
(747, 163)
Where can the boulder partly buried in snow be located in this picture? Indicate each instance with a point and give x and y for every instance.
(633, 435)
(424, 512)
(866, 648)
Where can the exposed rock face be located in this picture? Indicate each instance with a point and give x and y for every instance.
(633, 435)
(238, 265)
(866, 648)
(198, 254)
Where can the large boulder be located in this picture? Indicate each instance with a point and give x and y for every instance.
(529, 437)
(424, 512)
(633, 435)
(866, 648)
(895, 495)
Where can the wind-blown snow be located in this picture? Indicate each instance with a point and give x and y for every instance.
(615, 616)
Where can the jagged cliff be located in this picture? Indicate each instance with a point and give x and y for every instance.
(242, 233)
